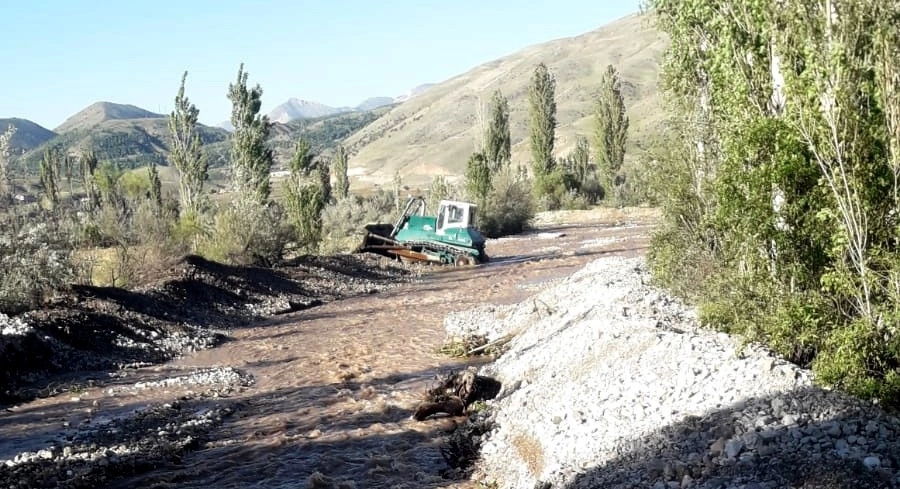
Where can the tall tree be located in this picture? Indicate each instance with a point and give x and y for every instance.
(785, 180)
(186, 154)
(610, 126)
(580, 160)
(478, 177)
(88, 164)
(155, 187)
(341, 180)
(6, 187)
(542, 109)
(497, 139)
(49, 168)
(305, 197)
(251, 158)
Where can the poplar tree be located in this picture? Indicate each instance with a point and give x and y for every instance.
(497, 138)
(610, 126)
(341, 180)
(48, 174)
(6, 187)
(305, 197)
(155, 187)
(542, 110)
(186, 154)
(251, 158)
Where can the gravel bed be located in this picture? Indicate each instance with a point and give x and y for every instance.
(608, 382)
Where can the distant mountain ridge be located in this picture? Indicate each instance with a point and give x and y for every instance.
(29, 135)
(296, 108)
(130, 136)
(100, 112)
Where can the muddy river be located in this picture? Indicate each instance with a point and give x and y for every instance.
(333, 387)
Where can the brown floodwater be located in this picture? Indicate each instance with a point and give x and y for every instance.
(335, 385)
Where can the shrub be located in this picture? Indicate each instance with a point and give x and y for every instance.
(35, 261)
(343, 222)
(246, 232)
(509, 208)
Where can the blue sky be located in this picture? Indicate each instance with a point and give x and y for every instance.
(62, 55)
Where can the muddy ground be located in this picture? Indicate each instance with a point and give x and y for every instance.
(319, 394)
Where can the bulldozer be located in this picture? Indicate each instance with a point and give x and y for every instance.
(449, 238)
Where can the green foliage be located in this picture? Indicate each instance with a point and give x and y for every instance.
(155, 193)
(343, 221)
(440, 190)
(542, 112)
(396, 187)
(186, 152)
(508, 208)
(246, 232)
(48, 170)
(478, 177)
(552, 189)
(497, 138)
(341, 180)
(305, 197)
(6, 185)
(87, 164)
(35, 262)
(133, 185)
(581, 176)
(106, 178)
(610, 129)
(780, 191)
(251, 158)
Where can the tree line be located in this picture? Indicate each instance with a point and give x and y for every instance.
(508, 196)
(780, 179)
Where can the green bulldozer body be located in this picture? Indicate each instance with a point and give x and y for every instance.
(450, 237)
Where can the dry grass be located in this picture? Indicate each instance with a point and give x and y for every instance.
(531, 452)
(435, 132)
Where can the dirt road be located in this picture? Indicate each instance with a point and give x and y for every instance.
(320, 397)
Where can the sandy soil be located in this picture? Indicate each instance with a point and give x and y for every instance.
(332, 386)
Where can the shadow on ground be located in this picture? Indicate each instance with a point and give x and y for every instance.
(105, 327)
(793, 440)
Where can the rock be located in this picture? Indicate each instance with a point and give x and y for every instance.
(841, 447)
(872, 462)
(834, 430)
(733, 448)
(717, 447)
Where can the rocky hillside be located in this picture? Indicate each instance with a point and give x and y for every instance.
(28, 134)
(435, 132)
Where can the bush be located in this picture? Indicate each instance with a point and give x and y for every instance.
(551, 189)
(245, 232)
(35, 261)
(343, 222)
(509, 209)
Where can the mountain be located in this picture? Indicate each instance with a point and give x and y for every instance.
(100, 112)
(434, 132)
(225, 125)
(323, 133)
(28, 134)
(415, 92)
(295, 109)
(127, 142)
(374, 103)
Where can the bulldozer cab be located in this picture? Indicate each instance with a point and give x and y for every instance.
(455, 215)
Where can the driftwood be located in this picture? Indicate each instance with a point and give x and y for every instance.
(455, 393)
